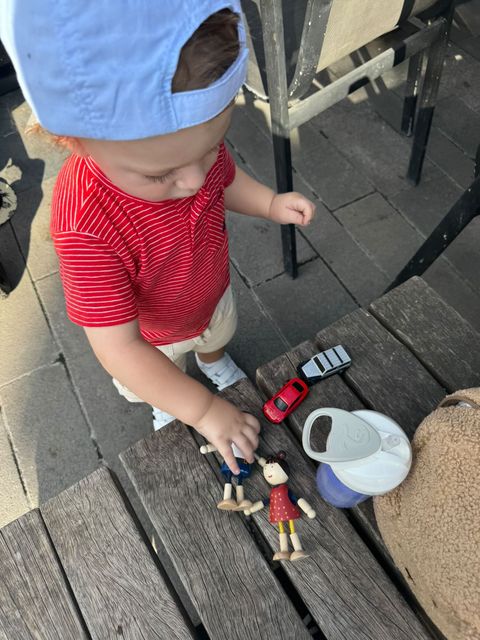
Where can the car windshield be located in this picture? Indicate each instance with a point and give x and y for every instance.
(280, 404)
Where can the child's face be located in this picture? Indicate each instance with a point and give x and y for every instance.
(163, 167)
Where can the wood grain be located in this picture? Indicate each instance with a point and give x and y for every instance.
(117, 585)
(342, 585)
(440, 338)
(34, 598)
(384, 373)
(223, 571)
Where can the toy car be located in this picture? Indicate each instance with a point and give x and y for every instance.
(285, 401)
(324, 364)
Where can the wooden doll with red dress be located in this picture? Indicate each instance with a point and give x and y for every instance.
(284, 506)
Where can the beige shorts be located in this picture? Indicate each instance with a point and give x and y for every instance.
(218, 333)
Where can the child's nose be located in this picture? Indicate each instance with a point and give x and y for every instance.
(192, 177)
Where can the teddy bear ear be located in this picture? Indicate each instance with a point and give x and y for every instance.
(281, 455)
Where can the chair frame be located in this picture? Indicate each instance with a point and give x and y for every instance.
(465, 209)
(290, 107)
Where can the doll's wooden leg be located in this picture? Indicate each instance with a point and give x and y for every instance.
(242, 504)
(298, 552)
(284, 553)
(228, 503)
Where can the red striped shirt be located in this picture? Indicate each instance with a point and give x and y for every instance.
(121, 257)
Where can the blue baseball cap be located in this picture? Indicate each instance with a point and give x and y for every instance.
(103, 68)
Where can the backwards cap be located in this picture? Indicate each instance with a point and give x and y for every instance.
(104, 68)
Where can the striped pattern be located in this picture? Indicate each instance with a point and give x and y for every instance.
(121, 258)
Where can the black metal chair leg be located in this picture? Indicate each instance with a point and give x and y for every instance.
(283, 172)
(462, 212)
(427, 102)
(415, 66)
(274, 45)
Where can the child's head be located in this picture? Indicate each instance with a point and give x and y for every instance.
(175, 165)
(146, 92)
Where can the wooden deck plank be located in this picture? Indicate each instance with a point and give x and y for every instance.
(341, 579)
(441, 339)
(223, 571)
(383, 373)
(34, 598)
(116, 582)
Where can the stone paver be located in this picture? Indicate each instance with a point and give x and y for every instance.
(14, 501)
(381, 231)
(31, 224)
(25, 337)
(316, 299)
(48, 431)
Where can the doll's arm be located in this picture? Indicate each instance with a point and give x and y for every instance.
(306, 508)
(261, 461)
(256, 506)
(208, 448)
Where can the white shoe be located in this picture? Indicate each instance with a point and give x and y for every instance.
(161, 418)
(223, 372)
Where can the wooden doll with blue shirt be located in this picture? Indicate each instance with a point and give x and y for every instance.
(229, 503)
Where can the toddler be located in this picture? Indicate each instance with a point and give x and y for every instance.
(138, 213)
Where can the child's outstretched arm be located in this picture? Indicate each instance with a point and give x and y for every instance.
(155, 379)
(248, 196)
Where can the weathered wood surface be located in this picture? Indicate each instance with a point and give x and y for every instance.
(384, 373)
(114, 578)
(440, 338)
(223, 571)
(341, 579)
(331, 392)
(34, 598)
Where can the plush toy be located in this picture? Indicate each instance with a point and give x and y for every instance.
(431, 522)
(283, 505)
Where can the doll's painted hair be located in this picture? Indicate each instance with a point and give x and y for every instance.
(279, 458)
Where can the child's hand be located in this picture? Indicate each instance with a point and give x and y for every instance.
(223, 424)
(291, 208)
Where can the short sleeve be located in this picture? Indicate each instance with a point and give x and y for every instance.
(97, 285)
(228, 167)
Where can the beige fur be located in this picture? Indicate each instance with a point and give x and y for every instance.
(431, 522)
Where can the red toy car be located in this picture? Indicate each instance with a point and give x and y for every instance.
(285, 401)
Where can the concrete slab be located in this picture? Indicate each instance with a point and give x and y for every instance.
(258, 335)
(256, 249)
(36, 155)
(31, 224)
(14, 501)
(459, 123)
(25, 337)
(314, 300)
(378, 152)
(382, 232)
(451, 159)
(426, 204)
(326, 171)
(345, 257)
(115, 423)
(464, 253)
(69, 336)
(48, 432)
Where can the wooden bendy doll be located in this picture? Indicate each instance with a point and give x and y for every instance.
(283, 505)
(228, 503)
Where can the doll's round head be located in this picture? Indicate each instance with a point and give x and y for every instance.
(276, 469)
